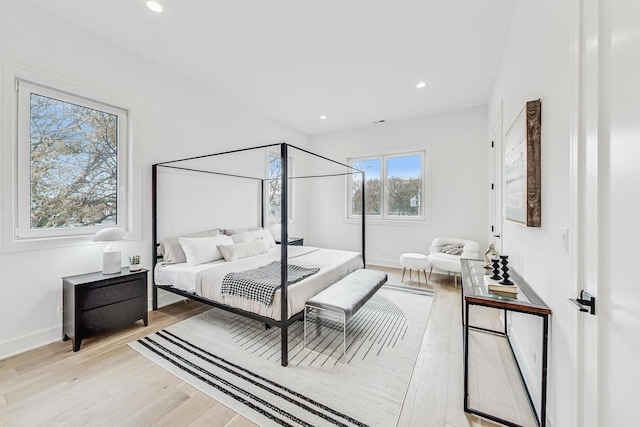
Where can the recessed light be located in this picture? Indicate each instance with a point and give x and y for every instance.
(155, 6)
(420, 85)
(323, 117)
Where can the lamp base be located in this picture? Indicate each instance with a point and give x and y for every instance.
(111, 259)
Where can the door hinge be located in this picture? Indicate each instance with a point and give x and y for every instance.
(492, 228)
(492, 185)
(491, 144)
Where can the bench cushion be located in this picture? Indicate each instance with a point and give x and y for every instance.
(350, 293)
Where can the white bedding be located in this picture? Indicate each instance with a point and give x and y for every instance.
(206, 279)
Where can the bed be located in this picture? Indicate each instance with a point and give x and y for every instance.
(204, 281)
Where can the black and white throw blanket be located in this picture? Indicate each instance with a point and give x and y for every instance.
(262, 283)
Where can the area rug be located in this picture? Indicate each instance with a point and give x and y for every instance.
(237, 361)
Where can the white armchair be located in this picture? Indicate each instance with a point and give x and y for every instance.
(450, 262)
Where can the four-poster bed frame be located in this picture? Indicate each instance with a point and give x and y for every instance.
(285, 320)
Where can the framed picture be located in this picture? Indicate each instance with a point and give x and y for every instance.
(522, 167)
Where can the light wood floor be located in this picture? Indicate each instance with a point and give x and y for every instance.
(108, 383)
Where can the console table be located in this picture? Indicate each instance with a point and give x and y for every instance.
(475, 292)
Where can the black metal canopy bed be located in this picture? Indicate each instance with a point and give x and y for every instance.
(241, 254)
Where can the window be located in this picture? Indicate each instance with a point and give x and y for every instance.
(394, 187)
(274, 188)
(72, 163)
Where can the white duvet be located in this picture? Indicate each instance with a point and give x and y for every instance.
(206, 279)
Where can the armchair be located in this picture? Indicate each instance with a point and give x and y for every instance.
(450, 262)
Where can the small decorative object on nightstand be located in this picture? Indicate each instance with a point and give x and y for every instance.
(97, 302)
(134, 261)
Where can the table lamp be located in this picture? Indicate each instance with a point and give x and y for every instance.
(111, 256)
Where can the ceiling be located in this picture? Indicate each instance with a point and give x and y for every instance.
(355, 61)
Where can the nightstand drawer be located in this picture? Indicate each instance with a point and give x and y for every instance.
(114, 316)
(105, 295)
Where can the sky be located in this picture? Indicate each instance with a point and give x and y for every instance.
(403, 167)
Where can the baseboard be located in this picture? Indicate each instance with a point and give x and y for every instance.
(31, 341)
(383, 262)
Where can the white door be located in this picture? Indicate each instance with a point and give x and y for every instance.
(609, 211)
(496, 183)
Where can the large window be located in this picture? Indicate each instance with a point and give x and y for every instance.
(71, 157)
(393, 187)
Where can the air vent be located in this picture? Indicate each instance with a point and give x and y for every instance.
(378, 121)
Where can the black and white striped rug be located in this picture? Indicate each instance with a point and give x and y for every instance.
(237, 361)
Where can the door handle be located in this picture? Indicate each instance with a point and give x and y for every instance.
(586, 303)
(497, 236)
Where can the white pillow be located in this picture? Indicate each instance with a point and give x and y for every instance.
(232, 231)
(244, 249)
(199, 250)
(171, 250)
(248, 236)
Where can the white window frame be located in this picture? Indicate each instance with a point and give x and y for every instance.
(16, 234)
(384, 187)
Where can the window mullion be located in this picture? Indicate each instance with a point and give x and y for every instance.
(384, 187)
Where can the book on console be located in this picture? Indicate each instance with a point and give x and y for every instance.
(494, 286)
(507, 289)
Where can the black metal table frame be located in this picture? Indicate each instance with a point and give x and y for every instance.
(540, 418)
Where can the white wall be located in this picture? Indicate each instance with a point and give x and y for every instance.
(175, 119)
(537, 64)
(457, 178)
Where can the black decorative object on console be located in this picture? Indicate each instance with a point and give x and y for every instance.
(504, 259)
(496, 269)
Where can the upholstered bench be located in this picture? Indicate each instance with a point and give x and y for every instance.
(340, 301)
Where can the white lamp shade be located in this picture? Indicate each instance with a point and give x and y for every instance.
(111, 257)
(110, 234)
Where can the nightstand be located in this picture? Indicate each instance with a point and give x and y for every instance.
(293, 241)
(97, 302)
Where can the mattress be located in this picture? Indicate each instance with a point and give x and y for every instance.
(206, 279)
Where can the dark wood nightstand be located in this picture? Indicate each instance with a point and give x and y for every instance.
(293, 241)
(97, 302)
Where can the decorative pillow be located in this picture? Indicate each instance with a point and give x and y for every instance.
(199, 250)
(171, 250)
(249, 236)
(232, 231)
(243, 250)
(455, 249)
